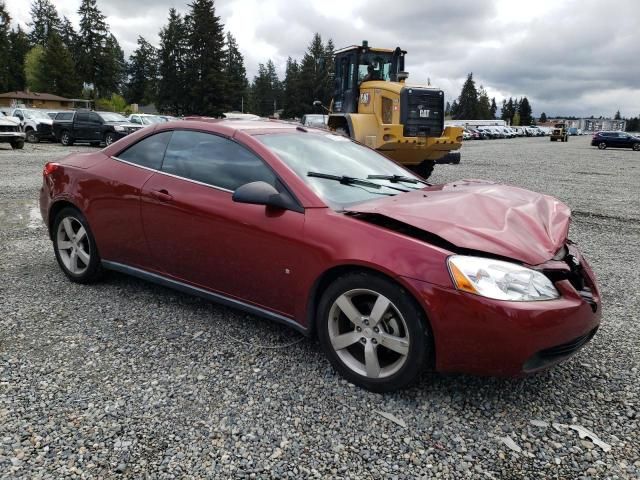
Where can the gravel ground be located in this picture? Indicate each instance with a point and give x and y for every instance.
(128, 379)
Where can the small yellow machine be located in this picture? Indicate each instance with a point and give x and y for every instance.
(374, 105)
(559, 132)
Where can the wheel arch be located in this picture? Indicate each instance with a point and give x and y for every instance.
(56, 208)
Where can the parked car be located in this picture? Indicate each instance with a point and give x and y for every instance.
(144, 119)
(10, 131)
(325, 235)
(315, 120)
(36, 124)
(92, 127)
(604, 140)
(466, 135)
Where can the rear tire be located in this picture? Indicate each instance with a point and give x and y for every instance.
(373, 332)
(602, 145)
(75, 247)
(66, 139)
(425, 169)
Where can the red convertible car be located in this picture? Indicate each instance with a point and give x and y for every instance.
(313, 230)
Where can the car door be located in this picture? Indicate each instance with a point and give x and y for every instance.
(198, 235)
(114, 212)
(94, 130)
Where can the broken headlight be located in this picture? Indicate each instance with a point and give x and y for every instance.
(499, 280)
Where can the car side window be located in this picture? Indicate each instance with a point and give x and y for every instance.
(214, 160)
(95, 118)
(148, 152)
(82, 117)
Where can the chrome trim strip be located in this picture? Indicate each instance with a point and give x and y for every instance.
(214, 297)
(171, 175)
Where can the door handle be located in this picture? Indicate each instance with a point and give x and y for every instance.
(162, 195)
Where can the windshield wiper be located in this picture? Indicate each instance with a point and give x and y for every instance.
(345, 180)
(398, 178)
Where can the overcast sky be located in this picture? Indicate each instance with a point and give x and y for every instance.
(567, 57)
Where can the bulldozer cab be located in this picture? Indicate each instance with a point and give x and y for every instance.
(358, 64)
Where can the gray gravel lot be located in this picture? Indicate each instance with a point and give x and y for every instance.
(124, 378)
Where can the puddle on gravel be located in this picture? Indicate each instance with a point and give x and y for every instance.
(20, 214)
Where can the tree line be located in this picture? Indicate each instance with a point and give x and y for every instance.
(474, 104)
(197, 68)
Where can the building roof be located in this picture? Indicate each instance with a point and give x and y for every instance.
(34, 96)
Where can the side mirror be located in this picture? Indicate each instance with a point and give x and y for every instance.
(260, 193)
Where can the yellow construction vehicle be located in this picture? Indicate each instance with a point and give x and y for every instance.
(559, 132)
(374, 105)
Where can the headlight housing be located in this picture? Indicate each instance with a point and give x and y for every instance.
(119, 128)
(499, 280)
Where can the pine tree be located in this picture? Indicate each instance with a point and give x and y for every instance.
(493, 109)
(5, 49)
(543, 118)
(447, 110)
(44, 22)
(111, 68)
(617, 116)
(92, 40)
(142, 85)
(58, 70)
(455, 108)
(292, 95)
(525, 112)
(484, 106)
(236, 74)
(205, 60)
(20, 46)
(468, 100)
(314, 75)
(172, 66)
(266, 91)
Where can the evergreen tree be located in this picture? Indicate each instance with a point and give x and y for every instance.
(447, 109)
(468, 100)
(454, 109)
(236, 75)
(20, 46)
(509, 109)
(172, 65)
(142, 85)
(266, 91)
(58, 70)
(111, 68)
(543, 118)
(525, 112)
(5, 49)
(493, 109)
(205, 60)
(92, 40)
(44, 22)
(314, 75)
(484, 106)
(34, 73)
(292, 95)
(617, 116)
(515, 121)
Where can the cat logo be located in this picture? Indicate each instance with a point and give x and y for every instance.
(365, 98)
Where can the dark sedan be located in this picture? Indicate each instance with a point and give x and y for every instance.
(604, 140)
(325, 235)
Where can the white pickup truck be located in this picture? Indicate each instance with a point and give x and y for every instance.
(10, 131)
(36, 124)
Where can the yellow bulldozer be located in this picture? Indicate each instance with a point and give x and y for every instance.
(373, 104)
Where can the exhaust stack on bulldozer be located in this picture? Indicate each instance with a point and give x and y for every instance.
(374, 105)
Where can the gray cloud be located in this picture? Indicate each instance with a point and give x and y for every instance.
(573, 57)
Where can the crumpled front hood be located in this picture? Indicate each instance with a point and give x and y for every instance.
(484, 216)
(9, 121)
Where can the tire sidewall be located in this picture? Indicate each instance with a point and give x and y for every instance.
(31, 136)
(108, 136)
(65, 138)
(636, 147)
(94, 268)
(420, 346)
(602, 145)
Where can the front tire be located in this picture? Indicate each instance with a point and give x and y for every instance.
(31, 136)
(602, 145)
(636, 147)
(425, 169)
(373, 332)
(109, 138)
(75, 247)
(17, 145)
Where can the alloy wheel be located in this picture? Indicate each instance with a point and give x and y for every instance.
(108, 140)
(73, 245)
(602, 145)
(368, 333)
(636, 147)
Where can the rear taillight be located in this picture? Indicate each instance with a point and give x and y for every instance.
(49, 168)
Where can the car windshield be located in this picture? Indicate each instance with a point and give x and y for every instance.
(338, 156)
(315, 121)
(112, 117)
(35, 114)
(150, 119)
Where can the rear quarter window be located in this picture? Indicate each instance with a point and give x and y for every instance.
(148, 152)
